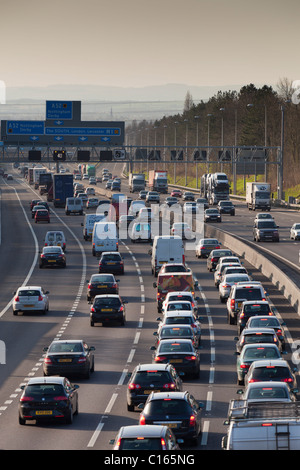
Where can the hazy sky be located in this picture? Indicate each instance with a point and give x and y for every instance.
(136, 43)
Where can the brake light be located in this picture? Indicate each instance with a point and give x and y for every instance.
(169, 386)
(121, 308)
(190, 358)
(242, 315)
(118, 443)
(253, 380)
(142, 420)
(163, 444)
(134, 386)
(17, 299)
(82, 359)
(160, 358)
(60, 398)
(40, 298)
(232, 303)
(26, 399)
(89, 286)
(244, 366)
(47, 360)
(93, 310)
(192, 420)
(288, 380)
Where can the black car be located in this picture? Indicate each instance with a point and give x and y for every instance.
(179, 352)
(252, 308)
(214, 257)
(108, 308)
(45, 398)
(111, 262)
(33, 203)
(101, 284)
(147, 378)
(265, 230)
(34, 209)
(52, 256)
(226, 207)
(188, 196)
(178, 410)
(69, 357)
(212, 215)
(43, 204)
(170, 201)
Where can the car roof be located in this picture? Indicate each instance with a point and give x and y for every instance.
(178, 340)
(257, 330)
(46, 380)
(30, 287)
(174, 394)
(148, 430)
(270, 362)
(107, 295)
(67, 341)
(179, 293)
(153, 367)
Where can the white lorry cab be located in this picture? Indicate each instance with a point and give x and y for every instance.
(104, 238)
(263, 426)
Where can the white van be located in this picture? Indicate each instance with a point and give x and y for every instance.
(88, 224)
(166, 249)
(135, 207)
(104, 238)
(74, 205)
(55, 238)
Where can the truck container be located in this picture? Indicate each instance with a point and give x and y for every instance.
(136, 182)
(30, 175)
(91, 170)
(258, 196)
(36, 176)
(158, 181)
(62, 188)
(263, 426)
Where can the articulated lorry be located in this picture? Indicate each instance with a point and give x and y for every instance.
(215, 187)
(258, 196)
(158, 181)
(62, 188)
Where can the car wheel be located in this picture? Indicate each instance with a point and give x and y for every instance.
(91, 323)
(15, 312)
(130, 407)
(69, 417)
(22, 421)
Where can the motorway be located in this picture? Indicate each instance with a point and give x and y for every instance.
(102, 398)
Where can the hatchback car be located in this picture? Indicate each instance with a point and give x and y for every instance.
(92, 203)
(177, 331)
(30, 299)
(111, 262)
(171, 201)
(101, 284)
(108, 308)
(182, 318)
(41, 215)
(152, 196)
(255, 336)
(239, 293)
(180, 411)
(212, 215)
(226, 207)
(274, 370)
(52, 256)
(181, 296)
(218, 274)
(205, 246)
(214, 257)
(142, 194)
(227, 281)
(33, 203)
(252, 308)
(147, 378)
(188, 196)
(259, 392)
(202, 201)
(150, 437)
(183, 230)
(251, 353)
(181, 353)
(176, 193)
(69, 357)
(270, 321)
(45, 398)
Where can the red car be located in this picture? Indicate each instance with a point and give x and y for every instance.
(176, 193)
(42, 215)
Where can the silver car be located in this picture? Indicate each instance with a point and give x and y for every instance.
(30, 299)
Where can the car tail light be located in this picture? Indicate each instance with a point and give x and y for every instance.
(17, 299)
(244, 366)
(192, 420)
(60, 398)
(142, 420)
(232, 303)
(61, 256)
(163, 443)
(134, 386)
(93, 310)
(190, 358)
(81, 359)
(47, 360)
(279, 332)
(42, 255)
(118, 443)
(115, 285)
(169, 386)
(287, 380)
(121, 308)
(160, 358)
(242, 315)
(40, 298)
(253, 380)
(89, 286)
(46, 244)
(23, 399)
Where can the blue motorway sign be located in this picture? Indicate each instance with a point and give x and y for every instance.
(25, 127)
(83, 131)
(59, 110)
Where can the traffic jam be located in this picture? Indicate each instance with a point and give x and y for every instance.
(262, 415)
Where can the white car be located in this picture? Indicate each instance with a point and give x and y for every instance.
(178, 305)
(295, 232)
(220, 271)
(182, 317)
(90, 191)
(30, 299)
(182, 297)
(182, 229)
(227, 282)
(263, 216)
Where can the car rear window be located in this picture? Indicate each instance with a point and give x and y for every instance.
(147, 377)
(259, 338)
(270, 373)
(268, 392)
(176, 332)
(170, 406)
(44, 389)
(179, 306)
(260, 352)
(108, 302)
(100, 279)
(65, 347)
(257, 308)
(30, 293)
(141, 443)
(177, 320)
(248, 294)
(175, 347)
(111, 257)
(174, 269)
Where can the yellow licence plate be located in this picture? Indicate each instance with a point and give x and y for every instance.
(107, 310)
(44, 412)
(29, 306)
(176, 360)
(64, 360)
(51, 260)
(147, 392)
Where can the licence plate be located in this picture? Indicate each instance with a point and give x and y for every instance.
(64, 360)
(51, 260)
(44, 412)
(176, 360)
(171, 425)
(100, 244)
(107, 310)
(147, 392)
(112, 262)
(99, 287)
(58, 244)
(29, 305)
(162, 262)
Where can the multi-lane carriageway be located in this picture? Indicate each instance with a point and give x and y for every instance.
(102, 399)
